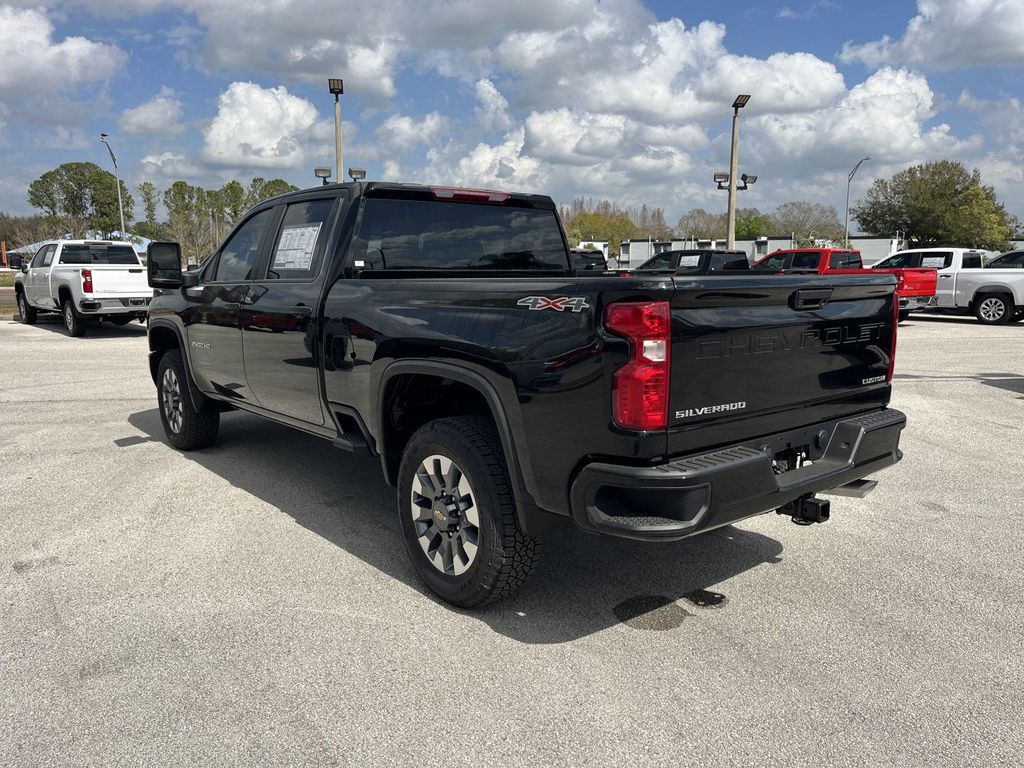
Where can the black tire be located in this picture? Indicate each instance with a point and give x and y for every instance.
(504, 556)
(994, 308)
(74, 323)
(186, 427)
(904, 314)
(26, 311)
(120, 319)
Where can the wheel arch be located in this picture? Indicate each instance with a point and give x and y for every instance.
(393, 438)
(163, 337)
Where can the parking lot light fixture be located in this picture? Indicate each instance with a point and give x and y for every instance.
(117, 181)
(337, 87)
(737, 105)
(849, 180)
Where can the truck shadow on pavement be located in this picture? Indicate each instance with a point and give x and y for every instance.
(584, 583)
(54, 323)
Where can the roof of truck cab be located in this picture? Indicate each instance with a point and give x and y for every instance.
(366, 188)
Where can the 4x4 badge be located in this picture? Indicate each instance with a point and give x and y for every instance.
(562, 303)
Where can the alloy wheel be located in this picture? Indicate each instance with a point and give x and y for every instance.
(69, 316)
(170, 395)
(992, 309)
(444, 515)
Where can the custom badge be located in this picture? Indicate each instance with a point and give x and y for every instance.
(560, 304)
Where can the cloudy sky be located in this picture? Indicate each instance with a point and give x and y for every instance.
(623, 99)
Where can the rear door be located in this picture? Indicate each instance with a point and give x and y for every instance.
(214, 308)
(746, 361)
(279, 330)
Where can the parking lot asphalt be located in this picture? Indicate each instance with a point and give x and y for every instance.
(252, 603)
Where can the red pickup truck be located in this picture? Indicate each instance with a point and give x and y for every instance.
(915, 287)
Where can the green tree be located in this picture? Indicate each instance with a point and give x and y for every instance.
(149, 227)
(702, 225)
(808, 221)
(939, 203)
(80, 197)
(751, 224)
(261, 189)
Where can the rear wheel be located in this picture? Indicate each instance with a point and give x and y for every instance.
(994, 308)
(186, 427)
(458, 515)
(73, 321)
(27, 312)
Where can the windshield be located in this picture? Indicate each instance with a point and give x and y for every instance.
(99, 253)
(424, 234)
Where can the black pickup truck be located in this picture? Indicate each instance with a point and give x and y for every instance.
(445, 331)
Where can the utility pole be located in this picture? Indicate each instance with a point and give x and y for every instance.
(849, 180)
(734, 164)
(337, 87)
(117, 181)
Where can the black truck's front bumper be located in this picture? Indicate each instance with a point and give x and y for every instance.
(690, 495)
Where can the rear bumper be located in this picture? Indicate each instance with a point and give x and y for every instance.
(687, 496)
(127, 305)
(917, 302)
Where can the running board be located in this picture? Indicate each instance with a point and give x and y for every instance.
(857, 489)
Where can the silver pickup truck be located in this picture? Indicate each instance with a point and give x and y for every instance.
(83, 280)
(993, 293)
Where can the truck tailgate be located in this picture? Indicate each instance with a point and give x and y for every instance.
(912, 281)
(753, 356)
(119, 280)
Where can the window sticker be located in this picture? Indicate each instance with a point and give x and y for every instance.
(689, 261)
(935, 262)
(296, 246)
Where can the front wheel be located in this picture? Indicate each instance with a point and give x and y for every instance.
(186, 427)
(73, 322)
(993, 309)
(458, 514)
(26, 310)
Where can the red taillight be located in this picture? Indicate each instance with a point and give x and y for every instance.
(640, 387)
(87, 281)
(473, 195)
(895, 325)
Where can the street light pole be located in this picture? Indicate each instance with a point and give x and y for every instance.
(849, 180)
(337, 87)
(734, 162)
(117, 181)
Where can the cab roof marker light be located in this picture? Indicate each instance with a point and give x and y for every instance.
(475, 195)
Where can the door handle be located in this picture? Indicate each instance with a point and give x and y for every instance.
(232, 305)
(302, 309)
(945, 277)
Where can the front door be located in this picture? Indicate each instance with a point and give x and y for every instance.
(213, 316)
(279, 329)
(37, 281)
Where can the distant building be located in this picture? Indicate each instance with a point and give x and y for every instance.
(594, 245)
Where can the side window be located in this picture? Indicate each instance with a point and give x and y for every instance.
(300, 243)
(941, 259)
(37, 260)
(844, 261)
(1016, 261)
(662, 261)
(774, 263)
(908, 259)
(48, 256)
(239, 255)
(970, 261)
(805, 260)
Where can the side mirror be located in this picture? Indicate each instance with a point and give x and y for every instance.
(163, 267)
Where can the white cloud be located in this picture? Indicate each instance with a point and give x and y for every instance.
(60, 137)
(38, 71)
(259, 128)
(882, 117)
(158, 116)
(168, 165)
(400, 133)
(493, 110)
(951, 34)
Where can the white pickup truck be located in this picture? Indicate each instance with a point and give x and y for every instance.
(994, 294)
(84, 279)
